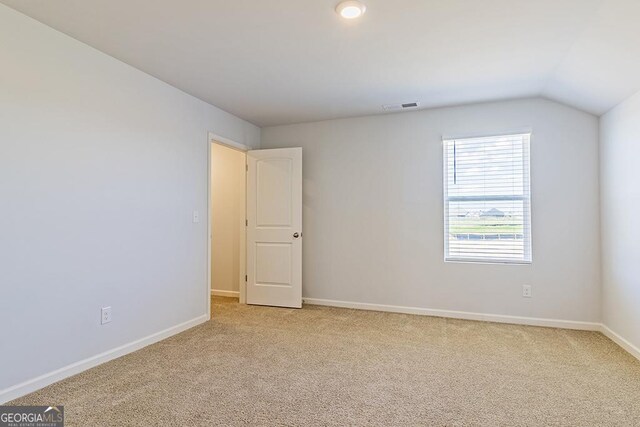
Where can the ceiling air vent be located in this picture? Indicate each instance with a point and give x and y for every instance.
(399, 107)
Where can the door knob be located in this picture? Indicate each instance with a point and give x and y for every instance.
(296, 235)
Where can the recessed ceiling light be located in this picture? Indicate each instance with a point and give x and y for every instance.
(351, 9)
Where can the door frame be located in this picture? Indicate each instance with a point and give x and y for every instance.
(220, 140)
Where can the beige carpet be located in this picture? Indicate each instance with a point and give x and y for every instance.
(335, 367)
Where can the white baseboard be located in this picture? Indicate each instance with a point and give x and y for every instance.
(497, 318)
(221, 293)
(34, 384)
(632, 349)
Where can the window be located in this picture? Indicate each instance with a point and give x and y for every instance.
(487, 199)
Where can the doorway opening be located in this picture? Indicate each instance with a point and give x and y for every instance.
(227, 221)
(255, 224)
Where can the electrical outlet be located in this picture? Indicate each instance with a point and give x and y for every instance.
(196, 217)
(105, 315)
(526, 291)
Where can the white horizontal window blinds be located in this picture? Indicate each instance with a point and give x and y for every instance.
(487, 199)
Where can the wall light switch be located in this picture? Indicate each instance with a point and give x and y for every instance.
(196, 217)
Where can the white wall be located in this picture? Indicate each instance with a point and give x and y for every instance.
(373, 211)
(620, 204)
(101, 167)
(227, 216)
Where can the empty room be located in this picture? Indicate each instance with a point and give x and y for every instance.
(319, 213)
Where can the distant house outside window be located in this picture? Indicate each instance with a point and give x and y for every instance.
(487, 200)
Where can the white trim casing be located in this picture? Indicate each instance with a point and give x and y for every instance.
(209, 225)
(481, 256)
(497, 318)
(217, 139)
(32, 385)
(613, 336)
(221, 293)
(37, 383)
(228, 142)
(503, 132)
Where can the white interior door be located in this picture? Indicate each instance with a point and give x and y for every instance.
(274, 227)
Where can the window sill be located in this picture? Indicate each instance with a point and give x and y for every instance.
(486, 261)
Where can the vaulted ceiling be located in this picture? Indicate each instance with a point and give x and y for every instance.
(287, 61)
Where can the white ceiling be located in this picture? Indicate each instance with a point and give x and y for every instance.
(287, 61)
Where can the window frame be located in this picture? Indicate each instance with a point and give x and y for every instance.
(527, 221)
